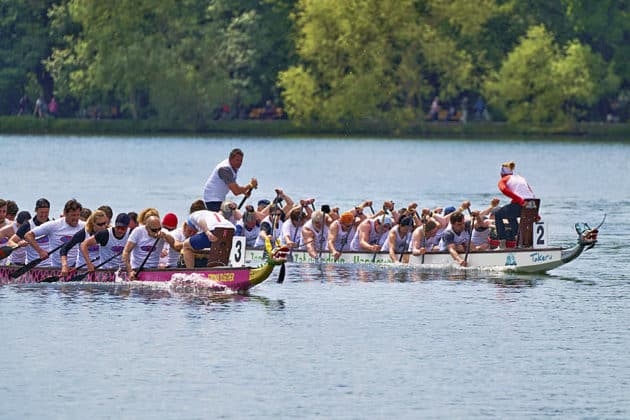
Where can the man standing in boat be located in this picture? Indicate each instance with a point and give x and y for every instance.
(223, 179)
(517, 188)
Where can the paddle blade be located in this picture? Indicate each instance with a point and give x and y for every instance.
(17, 273)
(51, 279)
(282, 274)
(80, 276)
(5, 251)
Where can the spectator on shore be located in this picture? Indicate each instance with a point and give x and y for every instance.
(464, 116)
(480, 109)
(22, 104)
(53, 107)
(435, 109)
(40, 108)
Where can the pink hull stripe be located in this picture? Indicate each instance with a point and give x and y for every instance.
(233, 278)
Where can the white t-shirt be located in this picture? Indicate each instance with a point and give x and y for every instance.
(172, 256)
(144, 245)
(59, 232)
(211, 218)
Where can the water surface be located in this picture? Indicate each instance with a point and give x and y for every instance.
(330, 342)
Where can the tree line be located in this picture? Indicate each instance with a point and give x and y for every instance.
(328, 61)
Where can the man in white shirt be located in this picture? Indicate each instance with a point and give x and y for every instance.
(59, 232)
(223, 179)
(204, 222)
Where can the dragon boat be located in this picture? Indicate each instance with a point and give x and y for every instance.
(519, 260)
(235, 277)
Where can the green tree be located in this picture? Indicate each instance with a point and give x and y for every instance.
(178, 59)
(24, 43)
(127, 50)
(541, 82)
(370, 59)
(255, 44)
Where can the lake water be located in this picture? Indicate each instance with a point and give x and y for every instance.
(330, 342)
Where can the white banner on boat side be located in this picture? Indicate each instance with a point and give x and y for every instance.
(540, 235)
(237, 254)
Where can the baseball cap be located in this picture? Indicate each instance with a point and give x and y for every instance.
(169, 221)
(22, 217)
(122, 220)
(449, 210)
(264, 202)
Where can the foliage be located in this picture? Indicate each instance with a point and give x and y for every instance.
(370, 59)
(331, 62)
(541, 82)
(24, 41)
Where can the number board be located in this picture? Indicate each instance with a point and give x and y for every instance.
(237, 255)
(540, 235)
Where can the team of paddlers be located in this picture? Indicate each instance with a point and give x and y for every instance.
(81, 237)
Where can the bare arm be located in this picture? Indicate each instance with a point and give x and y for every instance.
(245, 189)
(30, 238)
(391, 238)
(455, 255)
(91, 241)
(126, 257)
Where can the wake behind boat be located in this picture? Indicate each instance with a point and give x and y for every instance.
(519, 260)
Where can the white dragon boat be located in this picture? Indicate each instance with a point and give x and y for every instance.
(520, 260)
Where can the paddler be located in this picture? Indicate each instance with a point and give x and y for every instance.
(144, 245)
(59, 232)
(223, 179)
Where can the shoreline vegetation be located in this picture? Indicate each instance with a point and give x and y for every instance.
(281, 128)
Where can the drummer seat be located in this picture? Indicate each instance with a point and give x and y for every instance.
(219, 253)
(529, 215)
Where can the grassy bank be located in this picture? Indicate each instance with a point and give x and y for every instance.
(30, 125)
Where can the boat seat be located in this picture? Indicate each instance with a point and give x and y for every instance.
(219, 253)
(529, 215)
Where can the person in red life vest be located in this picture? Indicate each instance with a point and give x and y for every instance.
(517, 188)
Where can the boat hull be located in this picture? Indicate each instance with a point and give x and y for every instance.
(233, 278)
(528, 260)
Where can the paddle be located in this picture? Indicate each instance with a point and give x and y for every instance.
(382, 224)
(28, 267)
(344, 241)
(424, 238)
(247, 194)
(405, 245)
(6, 250)
(472, 228)
(147, 257)
(53, 279)
(83, 275)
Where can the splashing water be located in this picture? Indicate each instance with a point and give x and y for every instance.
(194, 283)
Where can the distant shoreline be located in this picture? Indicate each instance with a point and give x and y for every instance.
(284, 128)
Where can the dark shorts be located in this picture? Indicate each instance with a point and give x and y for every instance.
(213, 205)
(200, 241)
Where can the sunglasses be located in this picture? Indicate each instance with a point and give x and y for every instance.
(101, 224)
(155, 230)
